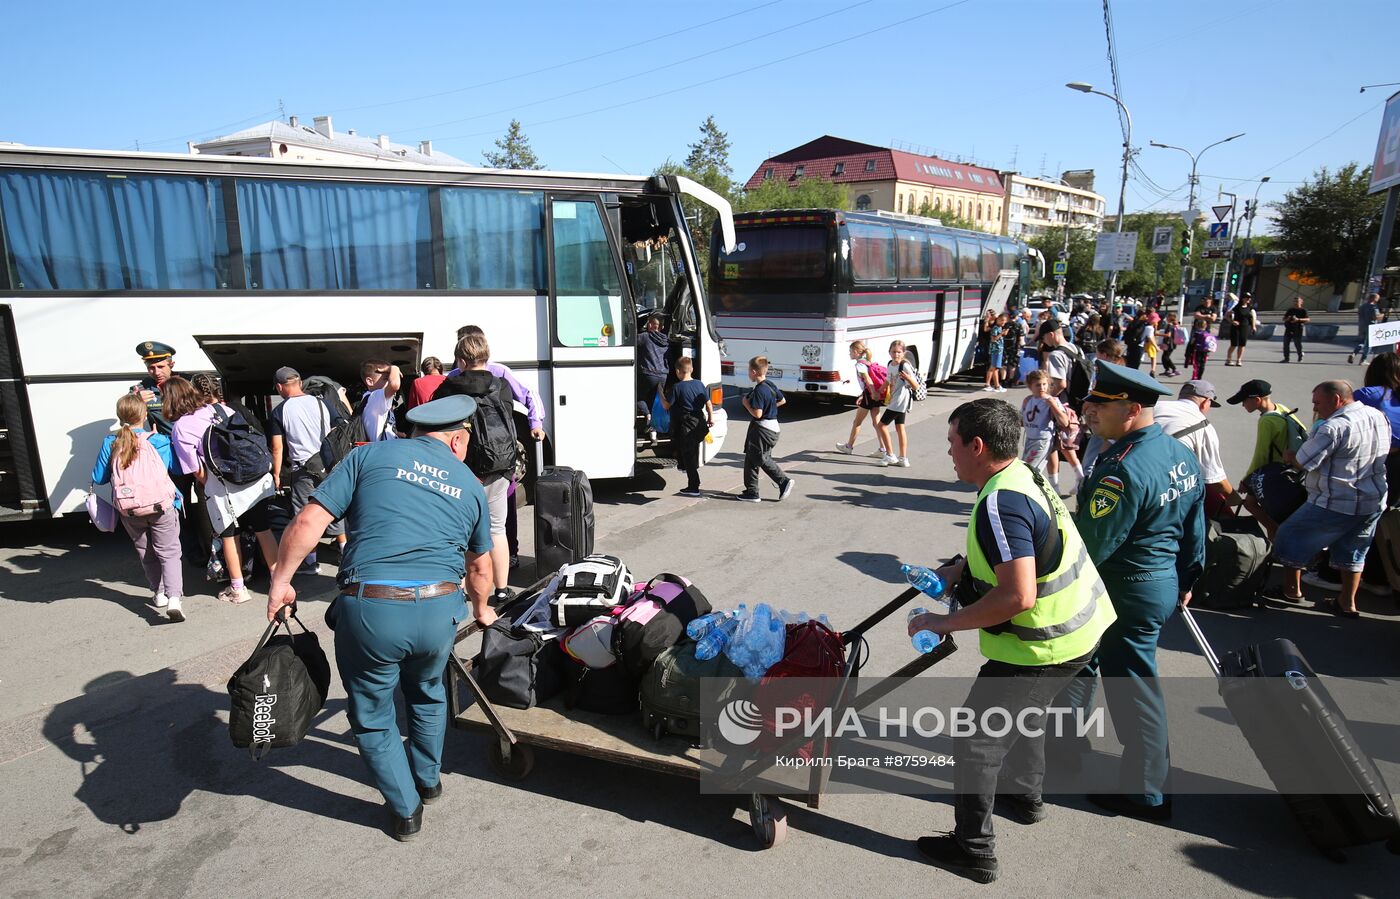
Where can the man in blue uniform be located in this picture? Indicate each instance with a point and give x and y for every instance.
(159, 359)
(416, 525)
(1142, 516)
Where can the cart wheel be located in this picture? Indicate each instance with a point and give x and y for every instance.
(769, 820)
(520, 764)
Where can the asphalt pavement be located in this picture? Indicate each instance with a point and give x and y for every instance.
(117, 777)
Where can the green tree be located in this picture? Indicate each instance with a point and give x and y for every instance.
(711, 151)
(512, 151)
(1328, 226)
(1081, 277)
(804, 193)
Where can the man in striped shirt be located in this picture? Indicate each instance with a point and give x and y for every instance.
(1345, 464)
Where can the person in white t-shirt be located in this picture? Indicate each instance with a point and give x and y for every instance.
(382, 382)
(1041, 414)
(1185, 419)
(295, 431)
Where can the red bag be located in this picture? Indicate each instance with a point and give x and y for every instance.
(812, 650)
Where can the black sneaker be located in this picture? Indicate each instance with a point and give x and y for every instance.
(693, 494)
(785, 491)
(945, 852)
(747, 497)
(1023, 810)
(1122, 805)
(499, 597)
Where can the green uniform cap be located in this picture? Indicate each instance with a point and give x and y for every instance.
(1118, 382)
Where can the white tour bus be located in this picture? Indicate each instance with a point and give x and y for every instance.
(244, 265)
(801, 284)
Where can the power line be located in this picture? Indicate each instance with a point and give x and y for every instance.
(1367, 111)
(634, 75)
(744, 71)
(558, 65)
(1113, 72)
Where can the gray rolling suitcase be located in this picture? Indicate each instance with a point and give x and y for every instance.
(1302, 740)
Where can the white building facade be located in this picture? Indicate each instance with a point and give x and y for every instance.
(1037, 205)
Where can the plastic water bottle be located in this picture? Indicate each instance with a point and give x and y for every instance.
(926, 580)
(704, 624)
(924, 640)
(714, 641)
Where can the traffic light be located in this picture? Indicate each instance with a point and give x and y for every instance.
(1186, 244)
(1234, 280)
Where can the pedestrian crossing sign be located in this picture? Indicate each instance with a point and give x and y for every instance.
(1061, 268)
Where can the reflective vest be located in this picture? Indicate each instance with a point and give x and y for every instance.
(1072, 608)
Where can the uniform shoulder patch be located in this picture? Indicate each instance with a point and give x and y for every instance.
(1111, 481)
(1102, 502)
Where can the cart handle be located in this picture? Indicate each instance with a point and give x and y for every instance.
(880, 614)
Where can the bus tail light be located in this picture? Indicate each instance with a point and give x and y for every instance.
(717, 396)
(814, 374)
(726, 367)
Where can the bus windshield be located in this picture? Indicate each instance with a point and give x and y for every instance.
(775, 270)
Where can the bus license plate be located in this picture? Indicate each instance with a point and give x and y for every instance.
(775, 372)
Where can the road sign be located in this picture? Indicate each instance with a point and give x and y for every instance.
(1190, 216)
(1220, 229)
(1162, 239)
(1215, 254)
(1385, 333)
(1219, 243)
(1061, 268)
(1221, 212)
(1115, 251)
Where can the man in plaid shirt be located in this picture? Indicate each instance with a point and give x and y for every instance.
(1344, 461)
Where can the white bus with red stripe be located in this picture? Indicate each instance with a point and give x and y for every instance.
(801, 285)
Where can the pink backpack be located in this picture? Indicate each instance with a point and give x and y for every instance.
(143, 487)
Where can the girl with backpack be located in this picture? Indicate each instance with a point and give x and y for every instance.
(191, 407)
(138, 463)
(872, 397)
(1202, 345)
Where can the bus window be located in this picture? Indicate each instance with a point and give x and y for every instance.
(991, 260)
(98, 231)
(588, 296)
(1010, 259)
(776, 253)
(872, 252)
(494, 239)
(945, 257)
(913, 256)
(302, 236)
(969, 260)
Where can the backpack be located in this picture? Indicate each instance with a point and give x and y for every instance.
(1295, 432)
(493, 450)
(655, 620)
(233, 450)
(812, 651)
(143, 487)
(589, 587)
(277, 693)
(327, 391)
(1236, 567)
(1081, 376)
(671, 690)
(920, 391)
(1205, 341)
(344, 435)
(879, 377)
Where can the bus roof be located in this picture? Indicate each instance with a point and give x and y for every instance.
(209, 163)
(800, 216)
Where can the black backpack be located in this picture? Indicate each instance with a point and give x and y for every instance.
(1081, 375)
(234, 450)
(493, 449)
(345, 435)
(277, 693)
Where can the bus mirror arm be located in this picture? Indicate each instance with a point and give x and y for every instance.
(718, 203)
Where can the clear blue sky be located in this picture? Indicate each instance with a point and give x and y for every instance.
(979, 79)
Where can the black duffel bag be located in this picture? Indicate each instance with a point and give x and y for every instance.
(518, 668)
(1278, 488)
(276, 693)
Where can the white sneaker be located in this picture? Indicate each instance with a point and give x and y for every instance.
(844, 448)
(241, 595)
(877, 453)
(887, 459)
(1001, 390)
(173, 610)
(989, 389)
(161, 600)
(903, 462)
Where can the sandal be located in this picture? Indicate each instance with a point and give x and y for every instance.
(1330, 605)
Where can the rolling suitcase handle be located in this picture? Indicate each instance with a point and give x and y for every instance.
(1211, 658)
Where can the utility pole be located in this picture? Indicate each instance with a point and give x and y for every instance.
(1127, 158)
(1191, 214)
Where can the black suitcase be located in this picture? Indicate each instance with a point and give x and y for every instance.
(1301, 738)
(563, 517)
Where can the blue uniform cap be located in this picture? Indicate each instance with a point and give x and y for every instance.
(451, 413)
(1118, 382)
(154, 350)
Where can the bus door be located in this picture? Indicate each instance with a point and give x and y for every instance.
(593, 352)
(946, 334)
(20, 476)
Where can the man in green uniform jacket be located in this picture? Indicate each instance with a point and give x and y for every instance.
(1142, 517)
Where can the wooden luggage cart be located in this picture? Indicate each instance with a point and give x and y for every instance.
(623, 740)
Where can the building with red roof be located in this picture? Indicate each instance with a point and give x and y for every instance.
(894, 180)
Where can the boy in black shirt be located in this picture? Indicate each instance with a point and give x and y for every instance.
(692, 416)
(762, 403)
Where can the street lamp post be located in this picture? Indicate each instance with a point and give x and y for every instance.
(1191, 206)
(1127, 158)
(1253, 210)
